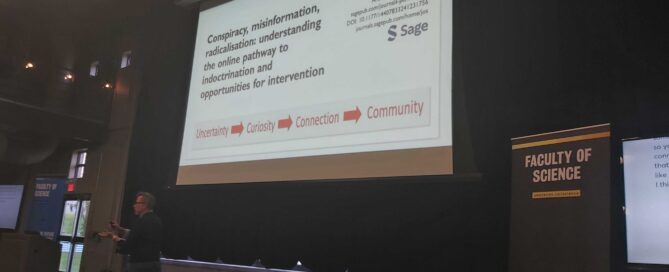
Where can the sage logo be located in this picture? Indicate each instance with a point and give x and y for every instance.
(407, 30)
(392, 33)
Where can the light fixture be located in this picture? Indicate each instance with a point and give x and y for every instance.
(68, 77)
(258, 263)
(29, 65)
(300, 267)
(107, 85)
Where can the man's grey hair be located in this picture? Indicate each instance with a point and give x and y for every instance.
(149, 198)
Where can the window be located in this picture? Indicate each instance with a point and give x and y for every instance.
(126, 59)
(78, 164)
(94, 69)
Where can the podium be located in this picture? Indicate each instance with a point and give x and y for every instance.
(28, 252)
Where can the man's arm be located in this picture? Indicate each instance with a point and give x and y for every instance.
(120, 231)
(111, 235)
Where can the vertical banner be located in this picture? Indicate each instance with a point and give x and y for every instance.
(47, 207)
(560, 201)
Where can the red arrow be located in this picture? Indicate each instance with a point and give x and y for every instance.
(237, 129)
(352, 115)
(285, 123)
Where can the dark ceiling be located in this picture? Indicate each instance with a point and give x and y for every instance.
(36, 109)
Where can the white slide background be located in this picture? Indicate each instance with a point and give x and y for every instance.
(10, 203)
(363, 69)
(646, 166)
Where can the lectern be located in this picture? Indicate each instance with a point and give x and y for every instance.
(28, 252)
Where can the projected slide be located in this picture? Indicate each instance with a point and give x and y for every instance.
(10, 204)
(289, 80)
(647, 200)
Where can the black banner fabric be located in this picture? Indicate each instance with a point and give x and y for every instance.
(560, 195)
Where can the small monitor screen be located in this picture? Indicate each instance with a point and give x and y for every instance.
(646, 174)
(10, 204)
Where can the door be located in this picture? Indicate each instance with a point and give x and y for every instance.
(73, 232)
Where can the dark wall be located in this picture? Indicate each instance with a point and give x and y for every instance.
(421, 224)
(520, 67)
(164, 41)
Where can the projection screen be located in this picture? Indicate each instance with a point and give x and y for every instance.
(316, 90)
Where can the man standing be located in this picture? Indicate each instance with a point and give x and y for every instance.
(142, 242)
